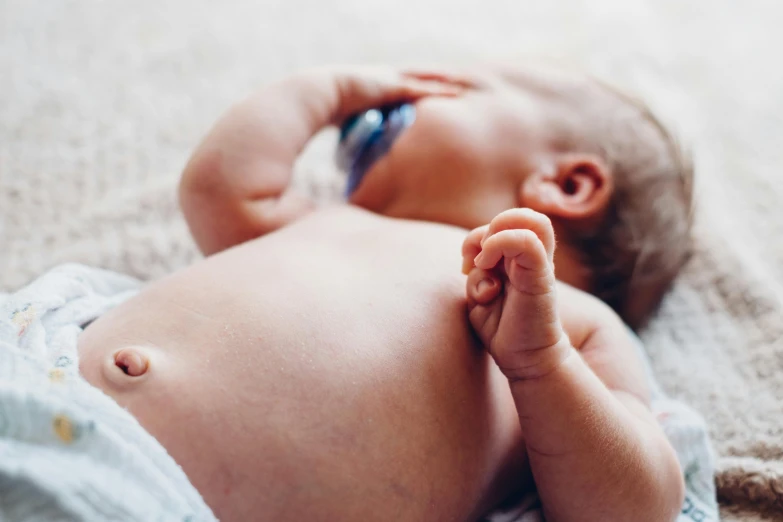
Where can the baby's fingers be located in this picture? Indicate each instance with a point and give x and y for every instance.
(462, 80)
(483, 287)
(362, 88)
(471, 247)
(413, 89)
(520, 245)
(485, 307)
(525, 218)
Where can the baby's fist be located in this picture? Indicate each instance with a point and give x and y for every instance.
(511, 291)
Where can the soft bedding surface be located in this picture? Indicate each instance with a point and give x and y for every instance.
(101, 102)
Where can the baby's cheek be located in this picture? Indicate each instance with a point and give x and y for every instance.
(444, 130)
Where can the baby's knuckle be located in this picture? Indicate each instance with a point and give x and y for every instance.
(523, 236)
(514, 215)
(543, 219)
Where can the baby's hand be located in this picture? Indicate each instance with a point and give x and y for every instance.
(511, 292)
(367, 87)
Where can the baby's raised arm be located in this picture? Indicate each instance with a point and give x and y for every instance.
(235, 186)
(595, 448)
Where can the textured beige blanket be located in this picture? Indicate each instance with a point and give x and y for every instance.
(100, 103)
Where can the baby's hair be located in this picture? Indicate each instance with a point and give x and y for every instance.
(644, 241)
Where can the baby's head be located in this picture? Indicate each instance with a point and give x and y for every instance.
(613, 180)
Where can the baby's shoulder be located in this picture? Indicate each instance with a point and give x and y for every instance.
(604, 341)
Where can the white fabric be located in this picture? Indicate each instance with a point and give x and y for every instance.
(68, 451)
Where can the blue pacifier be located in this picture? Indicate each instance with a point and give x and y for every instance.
(367, 136)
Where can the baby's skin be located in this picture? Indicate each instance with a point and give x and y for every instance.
(343, 367)
(323, 372)
(327, 372)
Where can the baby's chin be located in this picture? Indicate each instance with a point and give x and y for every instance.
(374, 192)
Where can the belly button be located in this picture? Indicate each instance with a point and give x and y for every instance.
(126, 367)
(131, 361)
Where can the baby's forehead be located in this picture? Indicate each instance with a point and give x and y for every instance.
(573, 88)
(588, 102)
(548, 80)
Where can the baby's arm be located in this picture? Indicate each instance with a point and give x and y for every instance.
(595, 449)
(235, 187)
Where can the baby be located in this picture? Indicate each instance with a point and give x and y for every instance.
(319, 365)
(611, 178)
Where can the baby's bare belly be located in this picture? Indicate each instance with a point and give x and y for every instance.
(325, 372)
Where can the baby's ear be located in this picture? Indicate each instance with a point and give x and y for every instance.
(571, 186)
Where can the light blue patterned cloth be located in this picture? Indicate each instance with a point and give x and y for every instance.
(687, 432)
(69, 452)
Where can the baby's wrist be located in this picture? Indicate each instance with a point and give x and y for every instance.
(539, 364)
